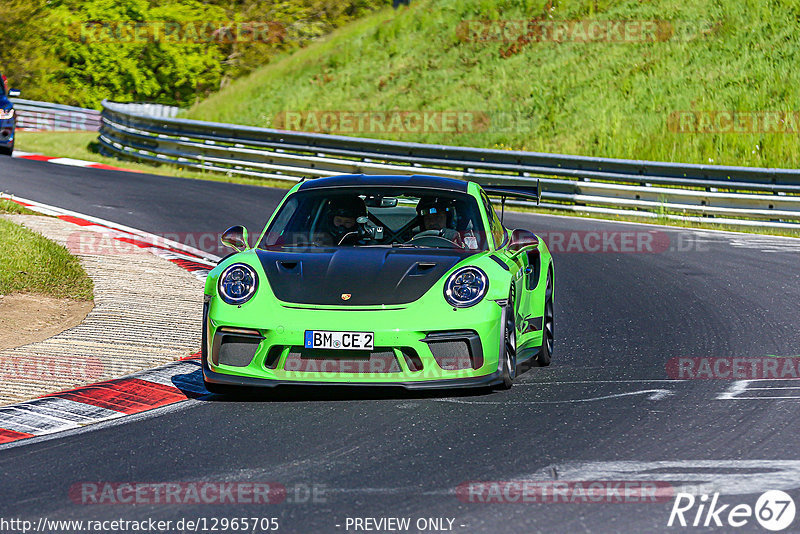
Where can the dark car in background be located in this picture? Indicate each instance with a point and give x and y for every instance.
(8, 120)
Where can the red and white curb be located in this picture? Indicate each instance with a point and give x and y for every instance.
(194, 260)
(68, 161)
(111, 399)
(103, 401)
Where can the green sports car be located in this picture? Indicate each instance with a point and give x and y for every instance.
(405, 281)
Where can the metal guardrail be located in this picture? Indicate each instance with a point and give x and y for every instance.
(151, 110)
(35, 115)
(732, 195)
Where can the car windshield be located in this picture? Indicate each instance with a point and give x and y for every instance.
(380, 217)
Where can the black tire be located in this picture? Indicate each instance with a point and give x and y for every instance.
(6, 151)
(546, 351)
(509, 352)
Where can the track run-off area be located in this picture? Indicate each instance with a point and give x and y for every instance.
(674, 370)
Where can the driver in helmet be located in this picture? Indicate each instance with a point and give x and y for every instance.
(437, 215)
(342, 218)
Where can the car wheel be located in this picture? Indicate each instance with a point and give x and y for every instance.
(509, 352)
(546, 351)
(6, 151)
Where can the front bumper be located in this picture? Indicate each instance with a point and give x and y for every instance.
(451, 383)
(445, 348)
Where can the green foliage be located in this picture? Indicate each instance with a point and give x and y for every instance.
(82, 51)
(610, 99)
(24, 53)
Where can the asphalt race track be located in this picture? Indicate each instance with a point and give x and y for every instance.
(606, 409)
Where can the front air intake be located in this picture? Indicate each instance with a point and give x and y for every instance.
(235, 347)
(303, 360)
(455, 350)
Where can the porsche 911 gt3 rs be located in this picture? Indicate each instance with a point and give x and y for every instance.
(379, 280)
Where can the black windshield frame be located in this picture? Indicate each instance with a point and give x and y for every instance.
(307, 207)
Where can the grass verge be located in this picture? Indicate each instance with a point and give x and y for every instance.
(31, 263)
(610, 97)
(9, 207)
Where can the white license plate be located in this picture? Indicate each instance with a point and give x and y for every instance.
(324, 339)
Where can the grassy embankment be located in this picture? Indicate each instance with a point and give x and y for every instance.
(612, 99)
(30, 263)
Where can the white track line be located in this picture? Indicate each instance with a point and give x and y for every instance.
(211, 259)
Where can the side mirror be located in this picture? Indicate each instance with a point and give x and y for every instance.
(522, 239)
(389, 202)
(235, 237)
(13, 92)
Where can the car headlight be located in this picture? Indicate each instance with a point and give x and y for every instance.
(238, 283)
(465, 287)
(6, 114)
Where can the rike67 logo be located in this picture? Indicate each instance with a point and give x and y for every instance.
(774, 510)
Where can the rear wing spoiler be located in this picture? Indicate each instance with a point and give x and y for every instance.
(527, 192)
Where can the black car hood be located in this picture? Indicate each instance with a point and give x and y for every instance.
(356, 276)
